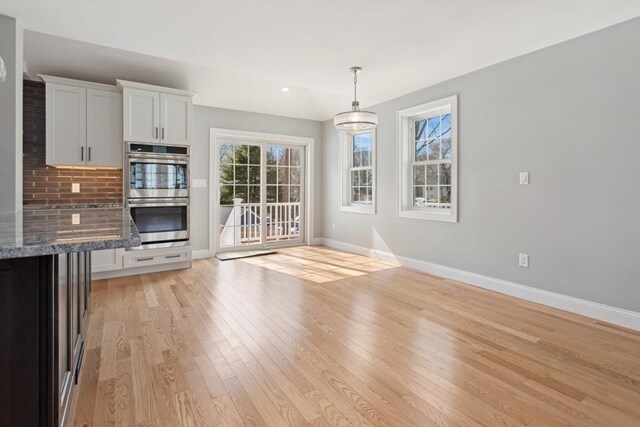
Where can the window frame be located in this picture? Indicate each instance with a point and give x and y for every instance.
(346, 204)
(406, 151)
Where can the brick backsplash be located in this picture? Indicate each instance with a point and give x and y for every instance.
(45, 185)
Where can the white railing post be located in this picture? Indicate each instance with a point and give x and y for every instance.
(237, 220)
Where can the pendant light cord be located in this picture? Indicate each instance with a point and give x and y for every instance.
(356, 105)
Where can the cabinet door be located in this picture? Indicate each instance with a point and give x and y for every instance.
(66, 118)
(106, 260)
(177, 115)
(141, 115)
(104, 128)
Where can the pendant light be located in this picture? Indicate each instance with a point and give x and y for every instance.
(355, 120)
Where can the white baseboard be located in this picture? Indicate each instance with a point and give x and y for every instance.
(618, 316)
(200, 253)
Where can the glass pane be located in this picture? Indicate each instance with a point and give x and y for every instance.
(241, 174)
(362, 142)
(432, 194)
(445, 174)
(421, 151)
(296, 156)
(445, 194)
(254, 174)
(272, 155)
(445, 125)
(433, 149)
(418, 196)
(226, 174)
(226, 153)
(272, 175)
(283, 194)
(418, 175)
(294, 194)
(367, 194)
(357, 159)
(226, 194)
(433, 127)
(283, 156)
(363, 178)
(254, 155)
(271, 193)
(369, 180)
(242, 155)
(366, 158)
(420, 127)
(355, 194)
(242, 192)
(355, 178)
(294, 176)
(446, 148)
(283, 175)
(432, 174)
(254, 194)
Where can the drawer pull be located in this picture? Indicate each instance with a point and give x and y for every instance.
(144, 259)
(173, 256)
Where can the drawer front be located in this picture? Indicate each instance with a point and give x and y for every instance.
(132, 260)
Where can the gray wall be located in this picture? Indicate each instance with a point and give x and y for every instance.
(570, 115)
(205, 118)
(11, 116)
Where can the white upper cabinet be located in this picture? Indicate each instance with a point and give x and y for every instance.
(177, 112)
(66, 118)
(84, 123)
(156, 114)
(104, 128)
(141, 115)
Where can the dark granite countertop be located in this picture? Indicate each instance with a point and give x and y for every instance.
(53, 231)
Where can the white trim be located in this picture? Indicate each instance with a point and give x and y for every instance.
(618, 316)
(201, 253)
(346, 205)
(405, 179)
(307, 143)
(79, 83)
(122, 272)
(153, 88)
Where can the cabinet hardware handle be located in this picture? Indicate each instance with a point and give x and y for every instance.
(89, 154)
(82, 154)
(156, 131)
(144, 259)
(162, 133)
(173, 256)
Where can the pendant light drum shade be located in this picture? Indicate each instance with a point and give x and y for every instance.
(355, 120)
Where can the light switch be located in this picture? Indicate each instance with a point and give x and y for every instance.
(75, 187)
(524, 178)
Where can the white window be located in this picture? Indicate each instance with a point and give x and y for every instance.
(428, 157)
(359, 172)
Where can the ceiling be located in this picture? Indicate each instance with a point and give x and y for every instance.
(239, 54)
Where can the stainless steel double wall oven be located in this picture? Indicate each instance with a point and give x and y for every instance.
(157, 192)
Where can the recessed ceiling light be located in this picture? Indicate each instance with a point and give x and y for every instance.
(285, 89)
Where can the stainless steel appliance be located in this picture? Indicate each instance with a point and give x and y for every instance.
(156, 170)
(162, 222)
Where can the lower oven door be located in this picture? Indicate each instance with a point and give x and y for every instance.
(160, 220)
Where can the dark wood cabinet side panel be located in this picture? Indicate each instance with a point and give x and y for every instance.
(6, 280)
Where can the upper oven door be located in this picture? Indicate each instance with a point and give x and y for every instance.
(151, 175)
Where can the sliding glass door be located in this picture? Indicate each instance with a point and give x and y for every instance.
(261, 194)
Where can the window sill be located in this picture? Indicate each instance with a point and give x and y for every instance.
(367, 210)
(428, 215)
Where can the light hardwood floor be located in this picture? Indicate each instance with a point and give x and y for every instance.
(311, 336)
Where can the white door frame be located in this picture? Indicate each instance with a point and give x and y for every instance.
(214, 178)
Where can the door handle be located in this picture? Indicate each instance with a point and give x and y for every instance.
(156, 131)
(82, 154)
(89, 154)
(173, 256)
(144, 259)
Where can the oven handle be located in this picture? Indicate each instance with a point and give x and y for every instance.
(157, 203)
(147, 158)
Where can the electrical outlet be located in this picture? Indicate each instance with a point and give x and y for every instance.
(75, 187)
(523, 260)
(75, 219)
(524, 178)
(333, 227)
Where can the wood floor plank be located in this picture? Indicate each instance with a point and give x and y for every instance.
(313, 336)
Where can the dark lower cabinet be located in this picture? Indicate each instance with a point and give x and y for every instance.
(44, 303)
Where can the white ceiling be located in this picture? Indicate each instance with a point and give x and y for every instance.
(239, 54)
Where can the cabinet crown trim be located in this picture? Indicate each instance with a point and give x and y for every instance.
(144, 86)
(79, 83)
